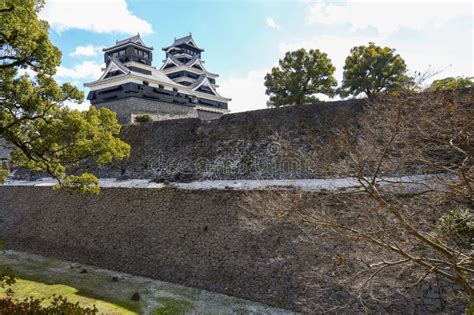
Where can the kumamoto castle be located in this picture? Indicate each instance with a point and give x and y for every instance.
(181, 88)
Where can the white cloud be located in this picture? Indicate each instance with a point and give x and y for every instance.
(82, 107)
(388, 16)
(247, 92)
(272, 23)
(87, 51)
(105, 16)
(28, 71)
(84, 70)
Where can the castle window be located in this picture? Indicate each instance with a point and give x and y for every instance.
(175, 90)
(146, 83)
(161, 86)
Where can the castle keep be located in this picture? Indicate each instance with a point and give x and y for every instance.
(181, 88)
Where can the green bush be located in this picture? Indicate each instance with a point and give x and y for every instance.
(457, 226)
(7, 279)
(143, 118)
(451, 84)
(58, 306)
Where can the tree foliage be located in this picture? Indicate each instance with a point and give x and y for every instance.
(25, 38)
(372, 69)
(451, 83)
(45, 134)
(301, 74)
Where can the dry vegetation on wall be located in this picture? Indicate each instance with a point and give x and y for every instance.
(420, 230)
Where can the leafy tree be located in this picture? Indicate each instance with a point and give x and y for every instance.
(46, 136)
(372, 69)
(451, 83)
(300, 75)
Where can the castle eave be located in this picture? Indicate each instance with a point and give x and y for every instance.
(190, 69)
(126, 44)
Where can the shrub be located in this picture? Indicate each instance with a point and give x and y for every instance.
(59, 305)
(143, 118)
(457, 226)
(452, 84)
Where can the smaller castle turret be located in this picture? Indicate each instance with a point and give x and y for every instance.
(130, 49)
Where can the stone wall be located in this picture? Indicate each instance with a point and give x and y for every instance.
(206, 115)
(262, 144)
(204, 239)
(307, 141)
(134, 105)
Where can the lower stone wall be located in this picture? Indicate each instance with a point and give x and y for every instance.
(204, 239)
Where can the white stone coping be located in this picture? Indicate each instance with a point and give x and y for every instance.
(331, 184)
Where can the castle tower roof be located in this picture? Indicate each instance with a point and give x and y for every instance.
(186, 40)
(135, 40)
(129, 49)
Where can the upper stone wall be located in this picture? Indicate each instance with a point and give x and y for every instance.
(307, 141)
(262, 144)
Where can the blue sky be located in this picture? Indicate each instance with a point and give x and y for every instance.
(244, 39)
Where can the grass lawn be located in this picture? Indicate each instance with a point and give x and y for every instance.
(111, 292)
(39, 290)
